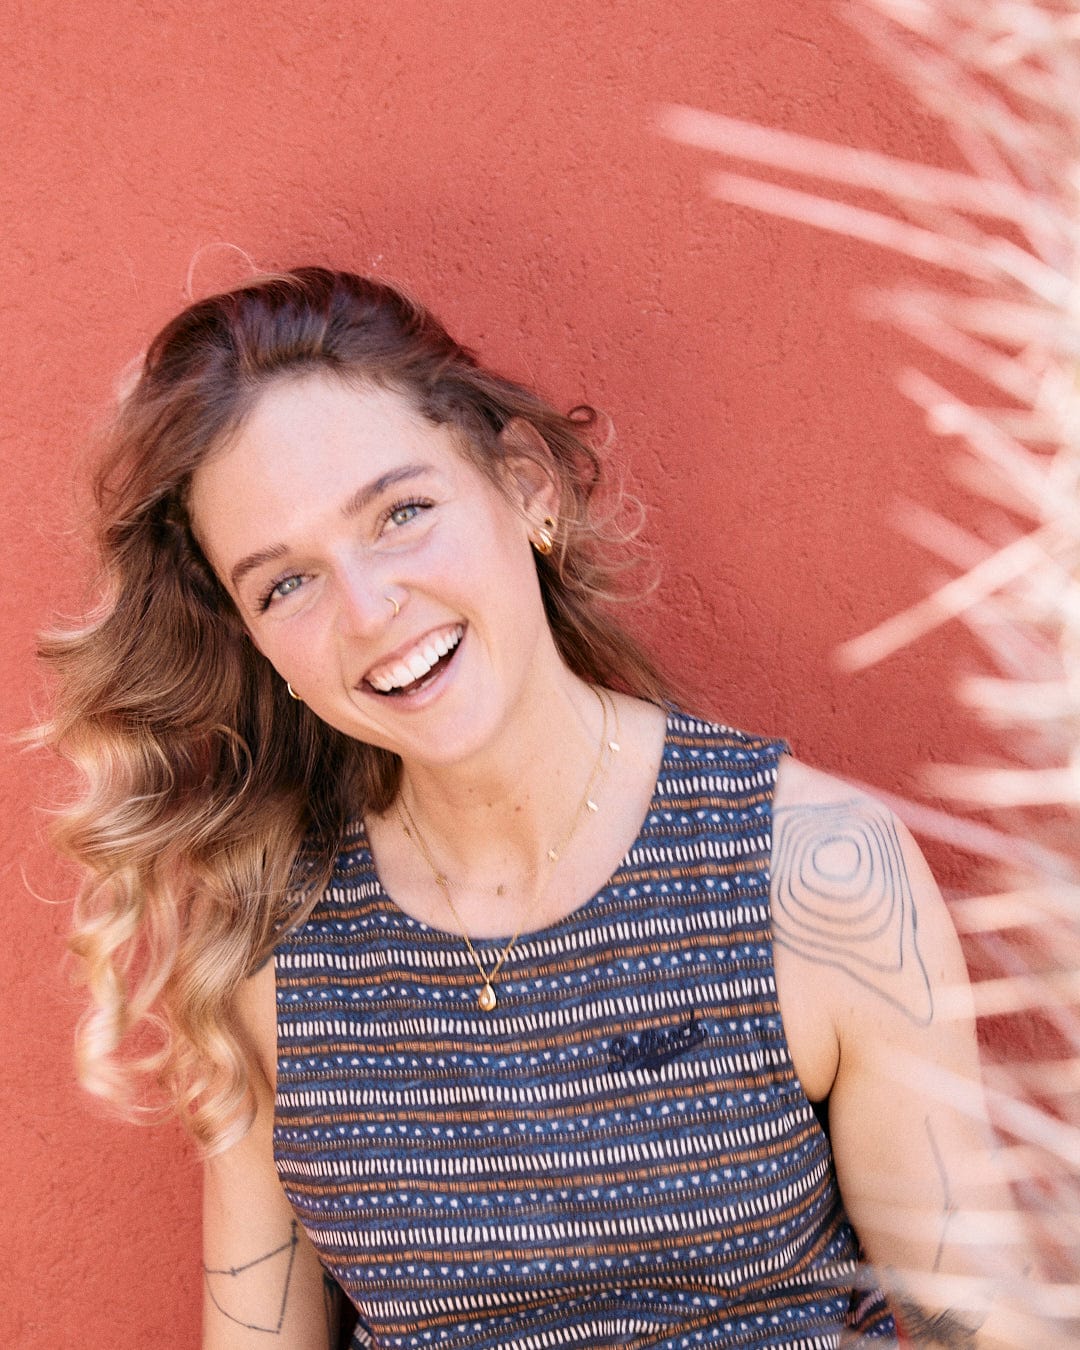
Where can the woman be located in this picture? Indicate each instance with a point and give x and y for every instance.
(387, 820)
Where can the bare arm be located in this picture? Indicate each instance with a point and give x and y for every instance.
(263, 1285)
(877, 1004)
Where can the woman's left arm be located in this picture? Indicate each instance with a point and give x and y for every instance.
(879, 1017)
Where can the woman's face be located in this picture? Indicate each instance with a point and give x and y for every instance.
(335, 501)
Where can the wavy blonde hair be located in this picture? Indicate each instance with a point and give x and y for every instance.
(213, 805)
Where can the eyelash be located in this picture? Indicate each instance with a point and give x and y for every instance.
(266, 598)
(416, 504)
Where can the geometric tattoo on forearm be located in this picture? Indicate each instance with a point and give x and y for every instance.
(287, 1253)
(842, 897)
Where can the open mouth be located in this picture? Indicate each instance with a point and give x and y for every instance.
(419, 667)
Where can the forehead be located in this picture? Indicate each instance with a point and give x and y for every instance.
(307, 445)
(301, 414)
(317, 428)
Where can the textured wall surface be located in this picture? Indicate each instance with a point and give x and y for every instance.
(500, 160)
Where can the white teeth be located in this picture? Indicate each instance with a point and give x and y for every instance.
(415, 664)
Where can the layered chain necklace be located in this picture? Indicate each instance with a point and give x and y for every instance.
(587, 806)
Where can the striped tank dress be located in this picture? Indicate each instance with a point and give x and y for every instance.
(620, 1154)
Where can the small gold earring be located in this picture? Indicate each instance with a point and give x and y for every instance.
(391, 601)
(544, 541)
(292, 692)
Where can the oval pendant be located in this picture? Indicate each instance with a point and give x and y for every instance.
(486, 998)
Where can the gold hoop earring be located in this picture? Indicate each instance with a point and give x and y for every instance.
(292, 692)
(391, 601)
(544, 541)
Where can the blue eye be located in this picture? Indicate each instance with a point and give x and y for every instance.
(278, 591)
(403, 513)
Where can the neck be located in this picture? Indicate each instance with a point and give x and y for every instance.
(495, 822)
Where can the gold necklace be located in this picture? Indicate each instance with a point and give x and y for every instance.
(486, 997)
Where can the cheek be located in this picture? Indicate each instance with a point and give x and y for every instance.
(483, 556)
(291, 648)
(503, 543)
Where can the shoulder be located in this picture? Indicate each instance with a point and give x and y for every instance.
(868, 964)
(854, 901)
(833, 836)
(802, 786)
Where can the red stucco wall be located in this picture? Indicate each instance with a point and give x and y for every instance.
(499, 159)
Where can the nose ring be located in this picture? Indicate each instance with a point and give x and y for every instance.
(391, 601)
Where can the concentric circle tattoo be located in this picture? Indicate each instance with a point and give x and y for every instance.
(842, 897)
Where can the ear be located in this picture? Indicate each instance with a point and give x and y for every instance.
(531, 481)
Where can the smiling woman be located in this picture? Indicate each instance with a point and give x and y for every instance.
(352, 498)
(512, 1005)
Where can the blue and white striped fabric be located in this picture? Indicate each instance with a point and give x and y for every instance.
(620, 1154)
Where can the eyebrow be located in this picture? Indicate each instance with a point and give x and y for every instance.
(358, 502)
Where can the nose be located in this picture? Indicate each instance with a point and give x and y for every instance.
(363, 607)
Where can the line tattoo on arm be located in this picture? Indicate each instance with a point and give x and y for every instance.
(949, 1204)
(287, 1253)
(842, 897)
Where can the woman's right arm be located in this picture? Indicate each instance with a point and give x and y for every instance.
(263, 1284)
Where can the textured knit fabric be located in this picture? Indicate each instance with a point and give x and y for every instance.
(620, 1154)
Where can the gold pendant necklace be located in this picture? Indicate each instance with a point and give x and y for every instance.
(486, 997)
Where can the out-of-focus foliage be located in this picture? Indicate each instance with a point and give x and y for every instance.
(1001, 232)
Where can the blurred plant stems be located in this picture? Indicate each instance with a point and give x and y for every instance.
(1003, 231)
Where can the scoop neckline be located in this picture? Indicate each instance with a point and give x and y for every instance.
(391, 909)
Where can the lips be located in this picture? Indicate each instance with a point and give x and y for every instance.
(418, 664)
